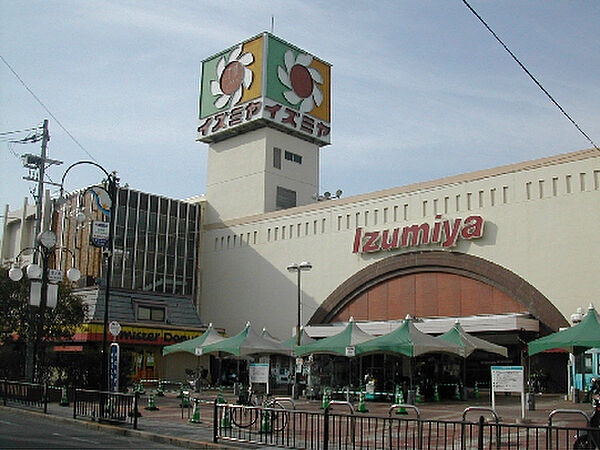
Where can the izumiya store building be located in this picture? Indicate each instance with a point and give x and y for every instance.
(511, 251)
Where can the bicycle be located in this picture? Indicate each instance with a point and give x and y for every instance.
(250, 409)
(196, 379)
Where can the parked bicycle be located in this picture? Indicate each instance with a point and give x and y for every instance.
(196, 379)
(247, 415)
(591, 439)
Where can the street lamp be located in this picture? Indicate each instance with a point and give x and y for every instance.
(298, 268)
(43, 293)
(109, 209)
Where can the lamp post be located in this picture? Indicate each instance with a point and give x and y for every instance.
(43, 293)
(109, 210)
(298, 268)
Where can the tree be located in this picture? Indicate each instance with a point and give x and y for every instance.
(18, 321)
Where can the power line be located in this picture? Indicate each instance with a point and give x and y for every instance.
(46, 108)
(530, 74)
(5, 133)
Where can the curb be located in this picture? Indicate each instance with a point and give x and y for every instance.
(160, 438)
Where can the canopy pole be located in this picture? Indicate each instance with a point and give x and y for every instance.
(464, 364)
(349, 372)
(360, 365)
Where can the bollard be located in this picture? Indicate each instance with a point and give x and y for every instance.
(476, 391)
(362, 407)
(326, 400)
(180, 390)
(265, 425)
(399, 400)
(151, 405)
(109, 409)
(64, 400)
(418, 396)
(160, 391)
(185, 400)
(436, 393)
(196, 413)
(220, 399)
(226, 421)
(456, 392)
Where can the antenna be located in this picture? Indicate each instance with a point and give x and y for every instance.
(272, 24)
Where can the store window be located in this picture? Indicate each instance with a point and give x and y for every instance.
(151, 313)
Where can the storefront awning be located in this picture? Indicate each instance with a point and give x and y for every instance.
(576, 339)
(438, 325)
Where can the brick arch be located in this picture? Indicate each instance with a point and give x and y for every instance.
(435, 283)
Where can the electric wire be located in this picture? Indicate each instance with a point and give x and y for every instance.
(46, 108)
(26, 130)
(530, 75)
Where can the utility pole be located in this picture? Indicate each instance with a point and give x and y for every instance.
(37, 171)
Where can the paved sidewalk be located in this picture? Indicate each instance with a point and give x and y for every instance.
(170, 424)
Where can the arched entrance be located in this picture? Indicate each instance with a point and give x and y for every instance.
(440, 284)
(435, 283)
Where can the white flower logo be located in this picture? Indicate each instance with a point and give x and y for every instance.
(232, 73)
(302, 80)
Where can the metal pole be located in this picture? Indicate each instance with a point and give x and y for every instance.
(298, 323)
(38, 347)
(296, 374)
(112, 190)
(31, 345)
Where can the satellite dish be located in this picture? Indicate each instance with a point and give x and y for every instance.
(338, 193)
(327, 195)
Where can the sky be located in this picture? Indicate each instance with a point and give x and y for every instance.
(421, 90)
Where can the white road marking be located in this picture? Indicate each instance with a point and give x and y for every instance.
(85, 440)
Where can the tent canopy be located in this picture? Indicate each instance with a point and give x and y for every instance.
(407, 340)
(246, 342)
(265, 334)
(576, 339)
(351, 336)
(210, 336)
(304, 339)
(468, 343)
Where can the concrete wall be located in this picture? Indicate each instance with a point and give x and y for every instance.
(242, 181)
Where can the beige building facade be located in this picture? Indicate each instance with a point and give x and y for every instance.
(518, 239)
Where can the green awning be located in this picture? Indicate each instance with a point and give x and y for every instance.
(246, 342)
(337, 344)
(576, 339)
(304, 339)
(407, 340)
(468, 343)
(210, 336)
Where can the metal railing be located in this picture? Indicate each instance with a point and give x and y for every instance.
(293, 428)
(106, 406)
(33, 395)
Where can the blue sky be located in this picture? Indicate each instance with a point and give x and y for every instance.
(420, 89)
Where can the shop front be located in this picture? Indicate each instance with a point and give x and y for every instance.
(141, 350)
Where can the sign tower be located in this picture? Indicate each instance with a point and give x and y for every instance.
(265, 110)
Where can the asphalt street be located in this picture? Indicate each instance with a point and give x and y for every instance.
(36, 431)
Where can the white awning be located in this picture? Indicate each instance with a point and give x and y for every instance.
(438, 325)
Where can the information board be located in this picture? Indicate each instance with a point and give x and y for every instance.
(508, 379)
(259, 373)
